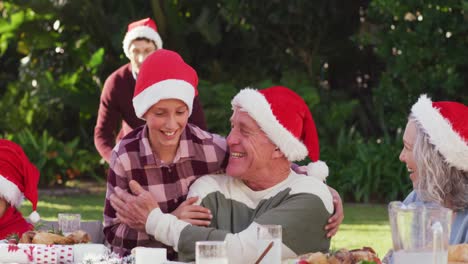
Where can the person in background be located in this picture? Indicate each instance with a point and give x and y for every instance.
(18, 178)
(270, 128)
(116, 106)
(436, 154)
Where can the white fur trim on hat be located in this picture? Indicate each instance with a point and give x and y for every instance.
(10, 192)
(141, 32)
(318, 169)
(257, 106)
(441, 134)
(167, 89)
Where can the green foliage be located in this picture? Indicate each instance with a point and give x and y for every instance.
(365, 170)
(58, 161)
(358, 67)
(423, 46)
(217, 112)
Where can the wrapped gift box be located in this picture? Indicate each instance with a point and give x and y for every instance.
(48, 254)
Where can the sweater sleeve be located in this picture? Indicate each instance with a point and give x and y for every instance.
(198, 115)
(107, 119)
(121, 237)
(302, 218)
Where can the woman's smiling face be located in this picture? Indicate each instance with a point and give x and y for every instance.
(407, 155)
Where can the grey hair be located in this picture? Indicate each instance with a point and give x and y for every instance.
(438, 181)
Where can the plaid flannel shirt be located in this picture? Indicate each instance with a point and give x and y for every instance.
(199, 153)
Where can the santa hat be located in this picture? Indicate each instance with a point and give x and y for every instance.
(145, 28)
(446, 124)
(286, 120)
(164, 75)
(18, 177)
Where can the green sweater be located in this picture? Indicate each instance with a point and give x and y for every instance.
(300, 204)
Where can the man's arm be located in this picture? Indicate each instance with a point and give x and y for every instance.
(198, 115)
(107, 121)
(302, 217)
(120, 236)
(336, 219)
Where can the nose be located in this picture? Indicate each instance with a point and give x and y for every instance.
(171, 122)
(141, 58)
(232, 139)
(402, 155)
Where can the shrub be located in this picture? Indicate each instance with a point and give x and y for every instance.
(58, 161)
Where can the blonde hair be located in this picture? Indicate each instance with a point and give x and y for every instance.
(438, 181)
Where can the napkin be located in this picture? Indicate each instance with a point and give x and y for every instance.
(144, 255)
(80, 251)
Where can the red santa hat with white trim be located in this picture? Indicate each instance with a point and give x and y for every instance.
(287, 121)
(164, 75)
(144, 28)
(18, 177)
(446, 124)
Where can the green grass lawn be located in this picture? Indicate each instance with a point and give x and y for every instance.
(364, 225)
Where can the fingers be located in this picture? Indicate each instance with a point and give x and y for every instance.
(191, 200)
(195, 215)
(198, 222)
(136, 188)
(116, 202)
(332, 232)
(198, 208)
(122, 195)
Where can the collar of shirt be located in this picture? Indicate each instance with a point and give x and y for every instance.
(185, 151)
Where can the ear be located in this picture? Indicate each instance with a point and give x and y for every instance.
(277, 154)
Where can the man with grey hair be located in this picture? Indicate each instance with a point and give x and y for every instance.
(270, 128)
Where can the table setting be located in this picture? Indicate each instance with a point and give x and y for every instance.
(419, 234)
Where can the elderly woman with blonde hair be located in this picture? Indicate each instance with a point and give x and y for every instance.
(436, 154)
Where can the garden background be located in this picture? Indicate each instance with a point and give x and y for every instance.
(359, 65)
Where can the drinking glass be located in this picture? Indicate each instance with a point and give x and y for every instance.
(69, 223)
(420, 232)
(269, 240)
(211, 252)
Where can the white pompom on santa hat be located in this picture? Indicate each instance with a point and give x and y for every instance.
(446, 124)
(18, 177)
(144, 28)
(164, 75)
(286, 120)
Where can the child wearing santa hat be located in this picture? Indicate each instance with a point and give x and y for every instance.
(167, 153)
(18, 179)
(436, 154)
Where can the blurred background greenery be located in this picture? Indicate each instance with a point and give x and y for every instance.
(358, 64)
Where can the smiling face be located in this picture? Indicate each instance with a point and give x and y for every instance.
(407, 155)
(166, 121)
(251, 151)
(140, 49)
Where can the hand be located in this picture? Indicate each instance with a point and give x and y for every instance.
(193, 214)
(336, 219)
(133, 210)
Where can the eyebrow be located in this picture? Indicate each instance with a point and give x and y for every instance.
(406, 143)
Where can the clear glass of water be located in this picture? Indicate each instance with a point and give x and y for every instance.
(211, 252)
(69, 223)
(269, 240)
